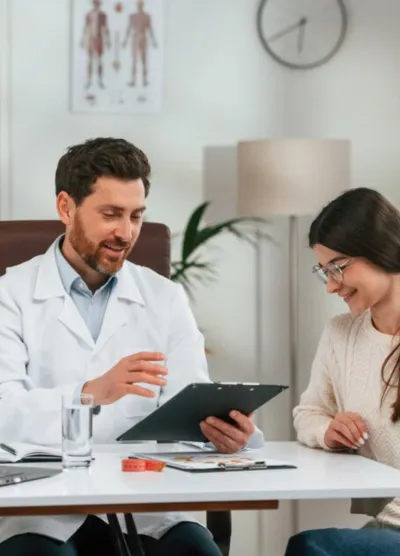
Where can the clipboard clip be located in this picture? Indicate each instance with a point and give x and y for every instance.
(243, 466)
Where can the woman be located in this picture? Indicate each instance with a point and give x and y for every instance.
(353, 399)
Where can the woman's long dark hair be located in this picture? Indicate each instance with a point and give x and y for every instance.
(362, 223)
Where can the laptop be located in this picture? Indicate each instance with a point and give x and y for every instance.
(15, 474)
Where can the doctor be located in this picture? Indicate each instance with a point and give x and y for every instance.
(82, 318)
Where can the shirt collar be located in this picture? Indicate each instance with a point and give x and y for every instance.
(49, 284)
(69, 276)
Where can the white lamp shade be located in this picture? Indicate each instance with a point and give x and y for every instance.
(291, 176)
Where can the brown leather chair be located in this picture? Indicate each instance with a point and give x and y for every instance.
(22, 240)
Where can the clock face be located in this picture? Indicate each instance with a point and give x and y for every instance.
(302, 34)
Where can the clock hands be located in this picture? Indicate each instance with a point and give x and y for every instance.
(302, 31)
(284, 32)
(289, 44)
(300, 25)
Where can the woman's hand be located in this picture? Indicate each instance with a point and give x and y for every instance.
(346, 430)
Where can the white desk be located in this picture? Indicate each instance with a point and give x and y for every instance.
(104, 488)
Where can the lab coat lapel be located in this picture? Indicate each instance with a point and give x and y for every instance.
(49, 285)
(73, 320)
(120, 308)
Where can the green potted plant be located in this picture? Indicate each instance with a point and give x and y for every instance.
(192, 266)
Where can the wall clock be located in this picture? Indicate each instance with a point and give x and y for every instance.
(302, 34)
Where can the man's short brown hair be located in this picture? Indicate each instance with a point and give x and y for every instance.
(81, 166)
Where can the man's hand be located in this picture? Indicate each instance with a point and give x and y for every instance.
(346, 430)
(122, 379)
(227, 438)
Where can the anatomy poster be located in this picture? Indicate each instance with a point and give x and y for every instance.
(117, 55)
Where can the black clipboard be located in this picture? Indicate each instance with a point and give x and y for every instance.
(179, 418)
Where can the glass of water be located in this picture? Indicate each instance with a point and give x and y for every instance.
(77, 415)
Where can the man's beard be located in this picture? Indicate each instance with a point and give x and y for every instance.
(94, 255)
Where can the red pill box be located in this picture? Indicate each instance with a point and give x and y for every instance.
(142, 465)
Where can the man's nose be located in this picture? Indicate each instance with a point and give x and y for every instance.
(124, 230)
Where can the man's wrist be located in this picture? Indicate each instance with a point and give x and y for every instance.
(86, 389)
(90, 388)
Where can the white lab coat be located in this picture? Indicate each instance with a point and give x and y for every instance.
(46, 349)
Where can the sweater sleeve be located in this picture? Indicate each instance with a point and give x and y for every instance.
(318, 403)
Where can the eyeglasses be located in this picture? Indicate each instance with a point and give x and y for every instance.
(332, 270)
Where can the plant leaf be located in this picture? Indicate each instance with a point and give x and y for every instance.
(189, 238)
(209, 232)
(191, 269)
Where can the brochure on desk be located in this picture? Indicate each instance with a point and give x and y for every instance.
(195, 462)
(20, 452)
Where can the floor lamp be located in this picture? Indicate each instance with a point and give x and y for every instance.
(288, 177)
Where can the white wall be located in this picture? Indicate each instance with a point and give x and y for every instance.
(220, 88)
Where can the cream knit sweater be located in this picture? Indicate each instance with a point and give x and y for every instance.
(346, 376)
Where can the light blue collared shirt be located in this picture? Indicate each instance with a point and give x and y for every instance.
(92, 306)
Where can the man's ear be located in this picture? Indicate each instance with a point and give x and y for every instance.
(65, 207)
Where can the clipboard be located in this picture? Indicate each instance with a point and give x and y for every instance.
(179, 418)
(201, 462)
